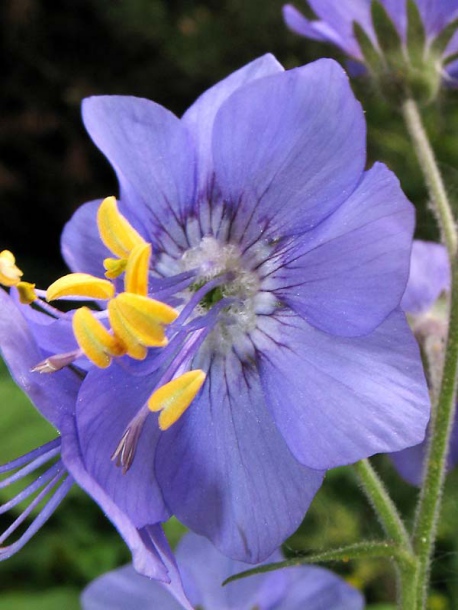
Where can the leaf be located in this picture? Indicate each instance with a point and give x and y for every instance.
(388, 37)
(416, 34)
(441, 41)
(55, 599)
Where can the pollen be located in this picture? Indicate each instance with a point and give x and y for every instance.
(80, 284)
(10, 274)
(173, 398)
(116, 232)
(97, 343)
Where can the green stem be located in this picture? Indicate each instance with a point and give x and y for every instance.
(383, 505)
(432, 175)
(436, 459)
(429, 504)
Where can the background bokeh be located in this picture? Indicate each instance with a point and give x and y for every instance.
(53, 54)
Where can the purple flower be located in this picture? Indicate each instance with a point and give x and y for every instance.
(249, 335)
(335, 24)
(425, 302)
(204, 569)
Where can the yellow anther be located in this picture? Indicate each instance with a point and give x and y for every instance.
(27, 292)
(136, 278)
(9, 273)
(135, 328)
(141, 310)
(124, 331)
(116, 232)
(94, 339)
(80, 285)
(173, 398)
(114, 267)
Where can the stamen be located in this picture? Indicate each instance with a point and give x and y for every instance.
(124, 453)
(80, 285)
(57, 362)
(173, 398)
(94, 339)
(114, 267)
(136, 278)
(136, 319)
(116, 232)
(27, 293)
(9, 273)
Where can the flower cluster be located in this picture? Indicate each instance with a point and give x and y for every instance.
(408, 46)
(245, 332)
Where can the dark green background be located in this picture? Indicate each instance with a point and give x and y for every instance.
(55, 53)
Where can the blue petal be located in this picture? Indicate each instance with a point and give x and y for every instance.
(289, 148)
(152, 154)
(53, 395)
(315, 588)
(126, 589)
(429, 276)
(437, 14)
(225, 471)
(337, 400)
(151, 554)
(82, 248)
(204, 569)
(349, 273)
(199, 118)
(107, 402)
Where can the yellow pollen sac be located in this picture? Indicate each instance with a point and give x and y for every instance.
(80, 285)
(116, 232)
(141, 310)
(124, 331)
(9, 273)
(173, 398)
(136, 278)
(94, 339)
(114, 267)
(27, 292)
(137, 329)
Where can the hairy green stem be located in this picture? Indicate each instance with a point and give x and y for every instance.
(441, 424)
(432, 175)
(429, 504)
(382, 504)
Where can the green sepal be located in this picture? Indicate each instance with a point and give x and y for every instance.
(388, 37)
(450, 58)
(372, 57)
(416, 34)
(359, 550)
(440, 43)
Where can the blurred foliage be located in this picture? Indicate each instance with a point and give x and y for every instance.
(53, 54)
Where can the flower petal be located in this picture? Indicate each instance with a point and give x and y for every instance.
(337, 400)
(429, 276)
(204, 569)
(316, 588)
(126, 589)
(348, 274)
(53, 397)
(108, 401)
(82, 248)
(262, 142)
(199, 118)
(225, 471)
(152, 153)
(151, 554)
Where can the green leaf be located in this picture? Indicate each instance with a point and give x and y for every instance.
(388, 37)
(371, 56)
(416, 34)
(440, 43)
(354, 551)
